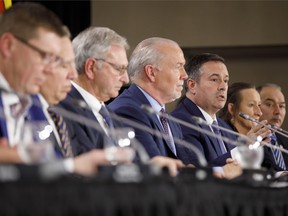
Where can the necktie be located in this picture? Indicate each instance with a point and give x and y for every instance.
(277, 153)
(164, 122)
(220, 141)
(106, 116)
(63, 133)
(18, 109)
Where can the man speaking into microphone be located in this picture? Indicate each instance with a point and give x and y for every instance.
(206, 92)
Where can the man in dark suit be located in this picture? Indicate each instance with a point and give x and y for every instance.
(53, 90)
(206, 91)
(273, 107)
(29, 51)
(156, 69)
(101, 62)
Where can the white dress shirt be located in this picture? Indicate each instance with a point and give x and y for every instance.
(93, 103)
(14, 125)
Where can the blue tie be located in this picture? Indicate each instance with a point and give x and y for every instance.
(220, 141)
(106, 116)
(277, 153)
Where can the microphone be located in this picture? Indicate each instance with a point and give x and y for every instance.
(199, 120)
(179, 121)
(91, 123)
(249, 118)
(243, 137)
(201, 158)
(210, 133)
(273, 128)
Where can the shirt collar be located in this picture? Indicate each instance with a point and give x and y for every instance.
(207, 117)
(43, 102)
(154, 103)
(90, 99)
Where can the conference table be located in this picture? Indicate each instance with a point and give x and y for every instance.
(190, 193)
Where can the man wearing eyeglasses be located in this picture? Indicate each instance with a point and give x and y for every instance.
(30, 44)
(101, 63)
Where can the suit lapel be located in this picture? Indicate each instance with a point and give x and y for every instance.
(138, 95)
(86, 112)
(195, 111)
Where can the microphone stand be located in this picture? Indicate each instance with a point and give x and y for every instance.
(202, 160)
(249, 118)
(274, 129)
(179, 121)
(91, 123)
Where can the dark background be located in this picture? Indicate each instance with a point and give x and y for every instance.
(74, 14)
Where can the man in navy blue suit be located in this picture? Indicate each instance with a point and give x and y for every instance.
(29, 51)
(273, 107)
(156, 69)
(206, 92)
(101, 62)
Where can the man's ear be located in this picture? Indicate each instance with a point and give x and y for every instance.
(7, 44)
(89, 68)
(230, 108)
(150, 72)
(191, 84)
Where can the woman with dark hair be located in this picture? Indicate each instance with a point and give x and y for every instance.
(243, 97)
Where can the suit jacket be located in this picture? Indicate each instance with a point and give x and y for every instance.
(36, 113)
(128, 105)
(269, 161)
(3, 126)
(208, 145)
(83, 137)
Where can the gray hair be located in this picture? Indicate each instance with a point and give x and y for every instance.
(95, 42)
(272, 85)
(147, 52)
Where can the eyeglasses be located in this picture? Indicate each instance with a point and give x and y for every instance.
(120, 69)
(48, 58)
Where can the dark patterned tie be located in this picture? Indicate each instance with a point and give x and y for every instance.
(220, 141)
(63, 133)
(106, 116)
(164, 122)
(277, 153)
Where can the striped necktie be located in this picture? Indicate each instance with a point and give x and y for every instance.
(220, 141)
(164, 122)
(61, 128)
(277, 153)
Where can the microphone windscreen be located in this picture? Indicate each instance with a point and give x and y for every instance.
(245, 116)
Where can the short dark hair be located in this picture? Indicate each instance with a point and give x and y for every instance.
(193, 65)
(24, 19)
(234, 97)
